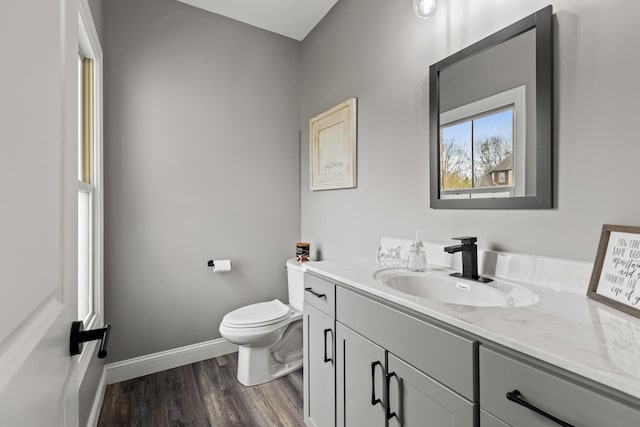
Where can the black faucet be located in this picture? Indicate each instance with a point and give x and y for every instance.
(469, 258)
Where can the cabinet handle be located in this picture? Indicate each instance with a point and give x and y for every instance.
(311, 291)
(514, 396)
(327, 359)
(374, 400)
(388, 409)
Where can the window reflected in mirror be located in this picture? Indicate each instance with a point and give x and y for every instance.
(479, 143)
(477, 153)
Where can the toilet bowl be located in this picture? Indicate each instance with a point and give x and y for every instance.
(268, 334)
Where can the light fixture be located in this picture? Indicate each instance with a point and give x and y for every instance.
(424, 8)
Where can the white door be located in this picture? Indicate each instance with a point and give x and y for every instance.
(38, 212)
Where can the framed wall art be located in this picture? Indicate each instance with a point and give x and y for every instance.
(615, 280)
(332, 148)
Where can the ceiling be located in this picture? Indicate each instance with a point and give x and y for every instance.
(291, 18)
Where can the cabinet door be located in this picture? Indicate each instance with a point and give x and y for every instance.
(319, 371)
(415, 399)
(359, 380)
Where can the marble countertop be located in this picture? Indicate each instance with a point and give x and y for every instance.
(564, 328)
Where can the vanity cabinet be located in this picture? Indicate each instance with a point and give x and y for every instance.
(360, 392)
(566, 399)
(319, 352)
(449, 358)
(415, 399)
(372, 392)
(375, 387)
(370, 362)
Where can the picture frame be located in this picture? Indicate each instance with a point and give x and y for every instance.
(333, 148)
(615, 279)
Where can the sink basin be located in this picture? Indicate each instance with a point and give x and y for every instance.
(439, 286)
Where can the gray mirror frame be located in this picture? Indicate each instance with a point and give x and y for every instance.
(542, 21)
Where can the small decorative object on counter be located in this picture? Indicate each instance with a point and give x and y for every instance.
(302, 252)
(392, 252)
(615, 280)
(417, 259)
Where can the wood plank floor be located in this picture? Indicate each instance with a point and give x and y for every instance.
(204, 394)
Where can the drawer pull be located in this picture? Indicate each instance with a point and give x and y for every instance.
(326, 358)
(514, 396)
(311, 291)
(388, 409)
(374, 400)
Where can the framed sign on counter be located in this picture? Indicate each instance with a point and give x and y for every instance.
(615, 280)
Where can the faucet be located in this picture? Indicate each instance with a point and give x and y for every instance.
(469, 258)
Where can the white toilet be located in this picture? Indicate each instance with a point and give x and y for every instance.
(268, 334)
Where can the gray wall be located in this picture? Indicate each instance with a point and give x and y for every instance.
(379, 52)
(96, 7)
(201, 161)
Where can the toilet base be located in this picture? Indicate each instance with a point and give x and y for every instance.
(260, 364)
(256, 365)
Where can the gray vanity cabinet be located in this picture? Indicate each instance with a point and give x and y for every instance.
(369, 362)
(370, 339)
(319, 364)
(415, 399)
(569, 400)
(370, 391)
(360, 368)
(319, 352)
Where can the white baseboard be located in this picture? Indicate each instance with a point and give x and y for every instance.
(156, 362)
(94, 415)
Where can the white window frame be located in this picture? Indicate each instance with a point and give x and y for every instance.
(89, 47)
(515, 97)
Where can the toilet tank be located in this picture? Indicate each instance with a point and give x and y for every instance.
(295, 280)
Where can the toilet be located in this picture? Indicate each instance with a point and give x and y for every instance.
(268, 334)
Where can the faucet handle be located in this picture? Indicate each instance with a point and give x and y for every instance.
(466, 240)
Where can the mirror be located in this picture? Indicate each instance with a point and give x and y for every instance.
(490, 120)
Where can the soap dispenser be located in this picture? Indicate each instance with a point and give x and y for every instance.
(417, 260)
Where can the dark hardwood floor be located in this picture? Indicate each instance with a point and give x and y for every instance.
(204, 394)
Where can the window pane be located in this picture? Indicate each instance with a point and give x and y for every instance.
(493, 149)
(84, 256)
(455, 154)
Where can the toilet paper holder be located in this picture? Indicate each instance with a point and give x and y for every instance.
(211, 263)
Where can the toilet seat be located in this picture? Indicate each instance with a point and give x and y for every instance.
(257, 315)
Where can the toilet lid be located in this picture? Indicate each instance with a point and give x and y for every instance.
(260, 314)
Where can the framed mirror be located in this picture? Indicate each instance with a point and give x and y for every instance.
(490, 120)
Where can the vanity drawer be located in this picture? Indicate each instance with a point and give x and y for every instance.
(320, 293)
(444, 356)
(564, 399)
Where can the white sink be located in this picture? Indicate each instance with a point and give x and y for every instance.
(439, 286)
